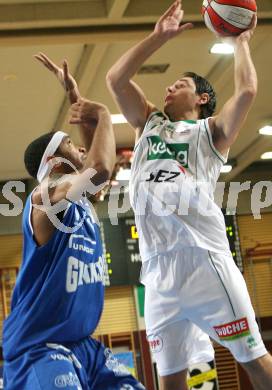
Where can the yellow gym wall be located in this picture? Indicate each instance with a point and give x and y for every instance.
(257, 233)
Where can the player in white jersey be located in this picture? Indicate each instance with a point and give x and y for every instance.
(193, 288)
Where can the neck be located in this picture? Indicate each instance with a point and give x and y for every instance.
(183, 116)
(54, 178)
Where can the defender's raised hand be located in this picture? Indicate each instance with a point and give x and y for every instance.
(85, 112)
(63, 75)
(168, 26)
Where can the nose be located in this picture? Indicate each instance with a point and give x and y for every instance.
(170, 89)
(81, 149)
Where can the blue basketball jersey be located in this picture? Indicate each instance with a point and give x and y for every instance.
(59, 292)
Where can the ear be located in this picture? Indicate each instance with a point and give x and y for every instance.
(204, 98)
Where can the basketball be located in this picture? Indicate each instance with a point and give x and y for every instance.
(228, 17)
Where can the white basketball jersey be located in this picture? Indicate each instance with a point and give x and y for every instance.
(173, 178)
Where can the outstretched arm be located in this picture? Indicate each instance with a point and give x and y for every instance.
(127, 93)
(70, 86)
(102, 153)
(226, 125)
(95, 125)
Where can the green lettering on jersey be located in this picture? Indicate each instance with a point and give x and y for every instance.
(160, 150)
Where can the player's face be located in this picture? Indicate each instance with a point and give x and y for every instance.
(180, 97)
(76, 155)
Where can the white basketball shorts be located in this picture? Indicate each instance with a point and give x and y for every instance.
(191, 295)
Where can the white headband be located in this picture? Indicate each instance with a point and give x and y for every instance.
(49, 151)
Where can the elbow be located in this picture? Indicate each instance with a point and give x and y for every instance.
(252, 91)
(103, 174)
(113, 80)
(249, 93)
(252, 88)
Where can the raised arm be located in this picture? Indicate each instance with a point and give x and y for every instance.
(102, 153)
(70, 86)
(128, 95)
(226, 125)
(100, 157)
(50, 198)
(95, 127)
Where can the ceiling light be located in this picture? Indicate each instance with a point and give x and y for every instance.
(266, 156)
(226, 168)
(118, 118)
(222, 48)
(266, 130)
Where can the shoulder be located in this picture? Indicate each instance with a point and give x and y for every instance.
(156, 117)
(214, 137)
(53, 193)
(152, 114)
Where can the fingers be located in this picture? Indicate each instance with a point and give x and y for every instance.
(178, 12)
(253, 23)
(73, 111)
(247, 34)
(172, 9)
(186, 26)
(76, 113)
(83, 111)
(75, 121)
(39, 58)
(46, 62)
(75, 116)
(80, 102)
(65, 69)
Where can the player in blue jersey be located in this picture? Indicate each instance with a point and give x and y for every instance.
(58, 296)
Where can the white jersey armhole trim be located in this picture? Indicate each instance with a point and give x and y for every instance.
(29, 217)
(31, 208)
(30, 213)
(222, 158)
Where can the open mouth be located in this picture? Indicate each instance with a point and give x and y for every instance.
(168, 97)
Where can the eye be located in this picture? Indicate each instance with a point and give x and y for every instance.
(180, 85)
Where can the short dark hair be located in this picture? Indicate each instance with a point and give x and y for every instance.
(203, 86)
(34, 152)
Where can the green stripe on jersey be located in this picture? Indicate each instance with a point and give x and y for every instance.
(234, 337)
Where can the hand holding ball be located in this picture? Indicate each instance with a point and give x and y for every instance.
(228, 17)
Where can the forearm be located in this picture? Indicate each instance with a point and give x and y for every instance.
(128, 65)
(73, 95)
(86, 133)
(87, 130)
(227, 124)
(244, 69)
(102, 153)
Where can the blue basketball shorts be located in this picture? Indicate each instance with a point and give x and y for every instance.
(86, 365)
